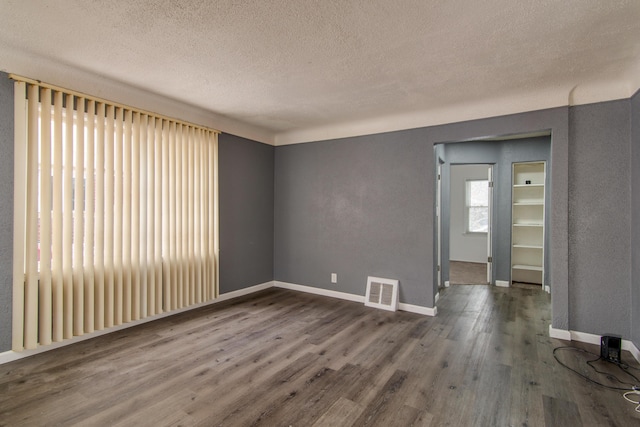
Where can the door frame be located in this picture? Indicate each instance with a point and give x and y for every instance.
(439, 231)
(490, 227)
(439, 221)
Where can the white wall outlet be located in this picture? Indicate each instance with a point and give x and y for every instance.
(334, 278)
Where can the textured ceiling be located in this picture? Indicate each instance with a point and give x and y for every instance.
(285, 67)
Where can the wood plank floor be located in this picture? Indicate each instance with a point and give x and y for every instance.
(282, 358)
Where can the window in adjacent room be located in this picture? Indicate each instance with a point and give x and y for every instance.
(477, 206)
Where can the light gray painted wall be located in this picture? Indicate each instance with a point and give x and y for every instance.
(470, 247)
(556, 120)
(246, 212)
(365, 206)
(246, 196)
(502, 154)
(356, 207)
(403, 164)
(600, 218)
(635, 219)
(6, 210)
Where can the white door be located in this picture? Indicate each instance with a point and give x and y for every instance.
(490, 209)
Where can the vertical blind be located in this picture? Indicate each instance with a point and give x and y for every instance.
(115, 214)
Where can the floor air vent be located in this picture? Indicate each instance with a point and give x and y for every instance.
(382, 293)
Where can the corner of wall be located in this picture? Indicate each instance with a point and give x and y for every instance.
(635, 217)
(6, 210)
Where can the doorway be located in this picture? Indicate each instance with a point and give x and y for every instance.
(470, 204)
(500, 153)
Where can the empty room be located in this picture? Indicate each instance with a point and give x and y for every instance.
(303, 213)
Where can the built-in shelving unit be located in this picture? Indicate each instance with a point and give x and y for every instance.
(527, 232)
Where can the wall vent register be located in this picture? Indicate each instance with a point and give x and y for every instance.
(382, 293)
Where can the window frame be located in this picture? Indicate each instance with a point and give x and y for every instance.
(468, 206)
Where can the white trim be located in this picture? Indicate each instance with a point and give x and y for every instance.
(588, 338)
(319, 291)
(547, 289)
(427, 311)
(631, 348)
(502, 283)
(560, 334)
(447, 283)
(437, 297)
(244, 291)
(10, 356)
(585, 337)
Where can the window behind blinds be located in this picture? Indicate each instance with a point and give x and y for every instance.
(115, 215)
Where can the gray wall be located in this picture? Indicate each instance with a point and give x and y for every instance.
(555, 120)
(502, 154)
(364, 206)
(336, 200)
(6, 210)
(357, 207)
(635, 219)
(246, 212)
(600, 218)
(246, 173)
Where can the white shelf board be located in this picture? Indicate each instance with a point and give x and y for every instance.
(527, 267)
(527, 225)
(529, 203)
(528, 185)
(528, 246)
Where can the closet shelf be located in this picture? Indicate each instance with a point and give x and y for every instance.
(527, 231)
(526, 267)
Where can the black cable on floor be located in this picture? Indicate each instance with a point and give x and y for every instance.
(555, 356)
(609, 375)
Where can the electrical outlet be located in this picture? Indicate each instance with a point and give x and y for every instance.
(334, 278)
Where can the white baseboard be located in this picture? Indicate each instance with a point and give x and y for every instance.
(10, 356)
(447, 283)
(547, 289)
(561, 334)
(245, 291)
(427, 311)
(502, 283)
(436, 298)
(631, 348)
(588, 338)
(318, 291)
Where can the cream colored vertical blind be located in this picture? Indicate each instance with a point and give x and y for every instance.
(115, 214)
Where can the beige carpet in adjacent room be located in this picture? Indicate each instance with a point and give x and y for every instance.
(467, 273)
